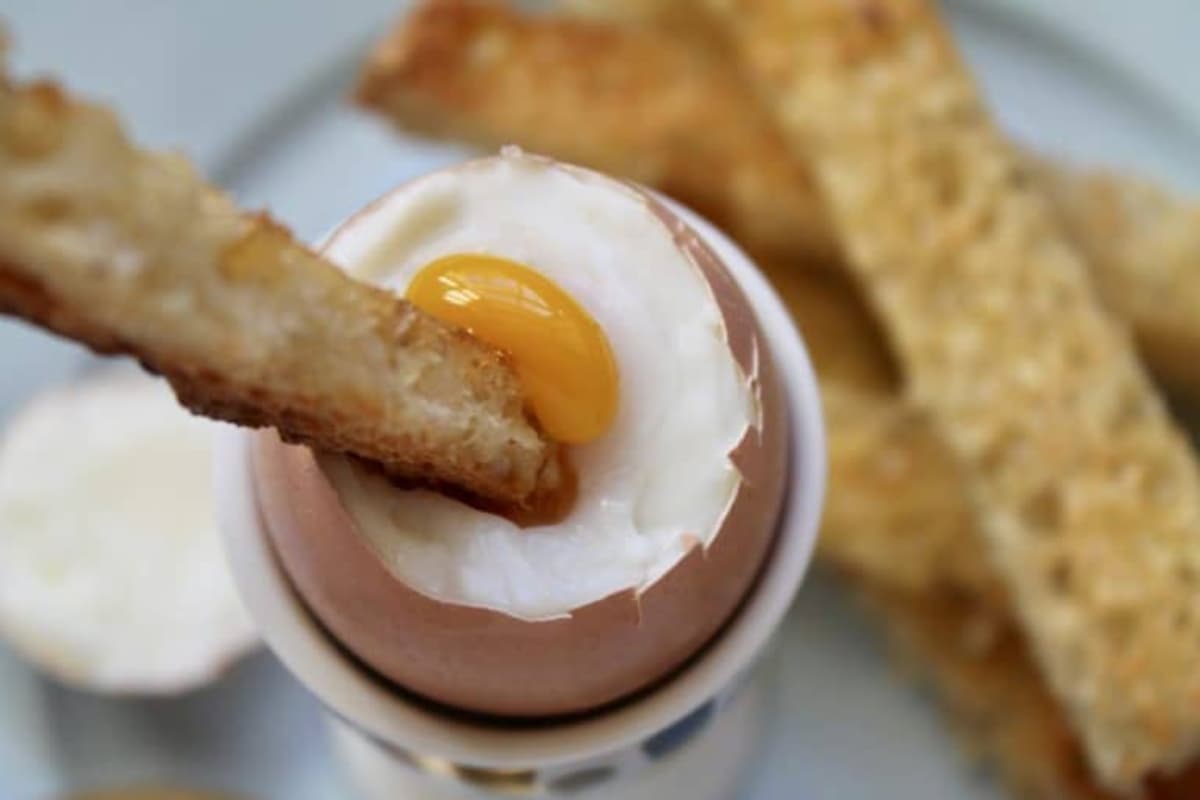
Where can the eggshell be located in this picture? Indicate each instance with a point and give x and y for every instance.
(490, 662)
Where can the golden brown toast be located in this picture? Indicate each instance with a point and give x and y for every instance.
(426, 67)
(897, 512)
(991, 689)
(1145, 245)
(986, 679)
(671, 117)
(922, 569)
(1088, 494)
(640, 13)
(980, 664)
(894, 489)
(131, 252)
(671, 111)
(897, 515)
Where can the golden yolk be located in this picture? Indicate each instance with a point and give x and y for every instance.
(558, 350)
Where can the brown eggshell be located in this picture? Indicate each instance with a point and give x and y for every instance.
(490, 662)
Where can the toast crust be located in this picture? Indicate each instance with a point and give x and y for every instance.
(1089, 496)
(130, 252)
(652, 104)
(490, 75)
(898, 517)
(534, 85)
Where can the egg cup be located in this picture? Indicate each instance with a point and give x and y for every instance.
(688, 736)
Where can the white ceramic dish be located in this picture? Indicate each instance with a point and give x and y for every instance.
(273, 126)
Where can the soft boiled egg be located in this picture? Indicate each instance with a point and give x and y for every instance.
(638, 349)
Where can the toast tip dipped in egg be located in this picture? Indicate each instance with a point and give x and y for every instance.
(677, 499)
(129, 251)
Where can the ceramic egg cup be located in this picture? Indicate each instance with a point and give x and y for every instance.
(688, 737)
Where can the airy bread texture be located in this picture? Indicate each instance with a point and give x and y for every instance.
(883, 452)
(424, 76)
(985, 678)
(897, 514)
(649, 106)
(898, 518)
(491, 75)
(131, 252)
(1144, 246)
(1089, 495)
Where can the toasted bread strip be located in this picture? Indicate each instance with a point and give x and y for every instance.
(878, 447)
(1089, 495)
(843, 338)
(426, 76)
(638, 12)
(893, 490)
(668, 116)
(1145, 248)
(130, 252)
(670, 111)
(898, 513)
(980, 666)
(879, 450)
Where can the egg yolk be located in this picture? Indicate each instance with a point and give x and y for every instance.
(558, 350)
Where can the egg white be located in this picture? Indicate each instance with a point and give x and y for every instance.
(657, 483)
(112, 575)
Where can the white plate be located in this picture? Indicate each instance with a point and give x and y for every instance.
(274, 126)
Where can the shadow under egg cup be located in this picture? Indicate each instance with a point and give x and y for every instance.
(689, 736)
